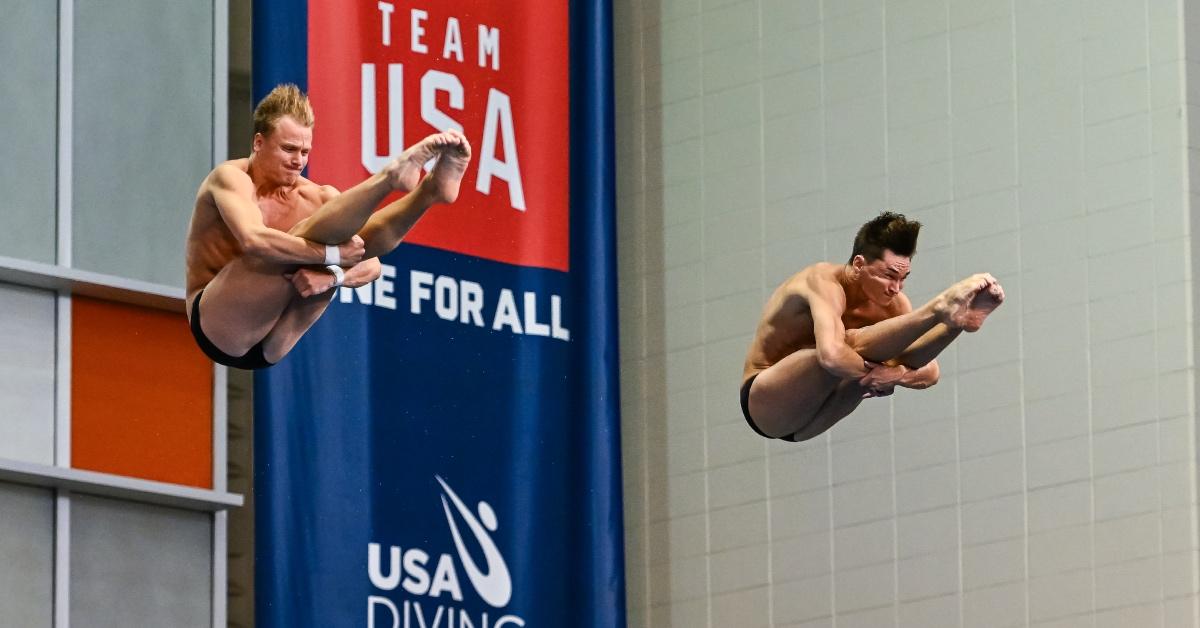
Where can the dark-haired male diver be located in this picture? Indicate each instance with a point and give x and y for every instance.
(266, 245)
(835, 334)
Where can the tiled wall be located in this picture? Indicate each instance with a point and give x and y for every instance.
(1049, 478)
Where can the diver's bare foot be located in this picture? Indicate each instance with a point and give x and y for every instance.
(452, 159)
(981, 305)
(967, 303)
(405, 171)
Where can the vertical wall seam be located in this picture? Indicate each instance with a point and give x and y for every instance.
(1087, 344)
(1189, 303)
(1020, 280)
(63, 255)
(958, 506)
(708, 583)
(1154, 200)
(762, 274)
(220, 440)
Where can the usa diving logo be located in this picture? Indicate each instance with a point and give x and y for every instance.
(416, 599)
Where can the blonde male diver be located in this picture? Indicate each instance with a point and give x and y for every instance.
(266, 245)
(835, 334)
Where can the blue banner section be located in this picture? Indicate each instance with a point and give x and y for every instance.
(442, 448)
(279, 30)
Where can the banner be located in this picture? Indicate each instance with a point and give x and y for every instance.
(442, 448)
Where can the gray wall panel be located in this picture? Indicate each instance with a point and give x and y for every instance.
(28, 125)
(26, 374)
(139, 565)
(142, 133)
(26, 556)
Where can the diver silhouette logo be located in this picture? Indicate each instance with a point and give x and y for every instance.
(494, 586)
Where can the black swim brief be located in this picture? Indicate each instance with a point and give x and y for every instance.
(254, 358)
(746, 412)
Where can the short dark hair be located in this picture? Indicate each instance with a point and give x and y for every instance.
(887, 231)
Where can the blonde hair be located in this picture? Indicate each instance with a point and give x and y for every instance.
(284, 100)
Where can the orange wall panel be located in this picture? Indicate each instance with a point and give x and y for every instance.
(141, 394)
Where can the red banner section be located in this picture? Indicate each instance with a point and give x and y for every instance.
(382, 75)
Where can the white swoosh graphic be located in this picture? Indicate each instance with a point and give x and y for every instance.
(495, 587)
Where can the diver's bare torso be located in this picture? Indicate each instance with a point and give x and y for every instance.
(210, 243)
(787, 324)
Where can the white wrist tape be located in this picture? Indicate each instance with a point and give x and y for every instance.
(339, 275)
(333, 256)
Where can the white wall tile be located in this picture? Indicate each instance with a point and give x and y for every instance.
(993, 520)
(993, 564)
(1060, 595)
(853, 34)
(937, 612)
(737, 484)
(989, 388)
(733, 443)
(1060, 551)
(985, 171)
(1175, 576)
(1126, 494)
(803, 467)
(864, 588)
(926, 489)
(1114, 97)
(785, 52)
(738, 526)
(914, 408)
(789, 15)
(730, 67)
(739, 568)
(681, 613)
(999, 606)
(683, 537)
(847, 7)
(978, 44)
(992, 476)
(925, 533)
(1059, 462)
(872, 618)
(1122, 315)
(685, 495)
(802, 600)
(925, 445)
(866, 500)
(926, 576)
(988, 90)
(991, 432)
(1176, 484)
(801, 558)
(1123, 403)
(1150, 615)
(1122, 540)
(1060, 506)
(862, 458)
(1056, 418)
(1125, 584)
(854, 77)
(1126, 449)
(921, 100)
(749, 608)
(865, 544)
(680, 579)
(800, 514)
(729, 25)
